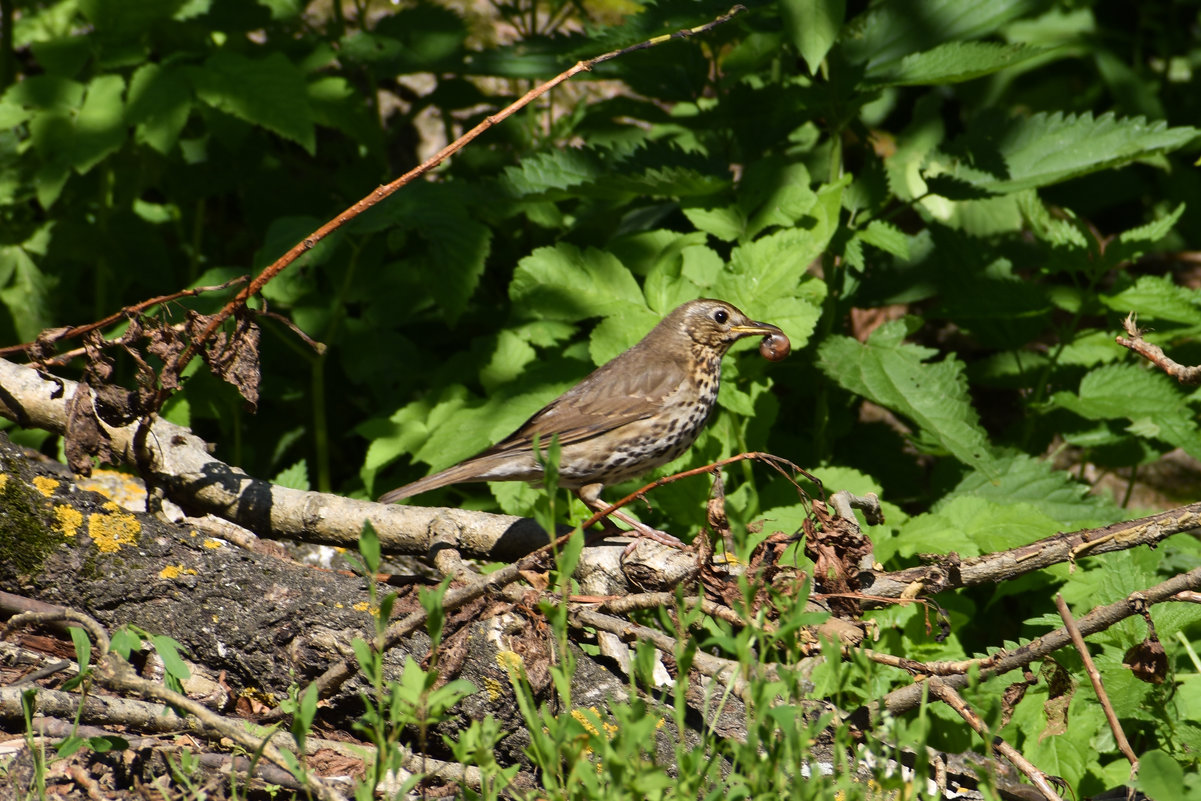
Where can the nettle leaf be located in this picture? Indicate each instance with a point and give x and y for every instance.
(294, 477)
(771, 266)
(813, 26)
(1004, 156)
(555, 170)
(566, 283)
(971, 526)
(952, 62)
(896, 375)
(887, 237)
(1023, 479)
(889, 31)
(269, 92)
(727, 223)
(1133, 243)
(775, 195)
(1158, 297)
(1155, 407)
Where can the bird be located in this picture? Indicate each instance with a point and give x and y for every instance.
(640, 410)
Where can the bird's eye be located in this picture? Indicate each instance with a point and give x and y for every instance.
(721, 315)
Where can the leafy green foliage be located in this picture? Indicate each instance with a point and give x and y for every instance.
(1008, 178)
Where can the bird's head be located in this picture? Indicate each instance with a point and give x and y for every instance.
(716, 324)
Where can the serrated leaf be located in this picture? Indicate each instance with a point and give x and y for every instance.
(1133, 243)
(813, 26)
(1004, 156)
(566, 283)
(1155, 407)
(887, 237)
(557, 169)
(971, 526)
(952, 62)
(1023, 479)
(772, 266)
(887, 32)
(727, 223)
(269, 92)
(294, 477)
(954, 188)
(896, 376)
(1054, 231)
(1158, 297)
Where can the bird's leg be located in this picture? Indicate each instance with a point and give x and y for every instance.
(590, 495)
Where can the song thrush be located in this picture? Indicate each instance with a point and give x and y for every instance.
(638, 411)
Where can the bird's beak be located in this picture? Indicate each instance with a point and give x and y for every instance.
(755, 329)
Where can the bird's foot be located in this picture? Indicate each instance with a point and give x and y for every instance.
(643, 531)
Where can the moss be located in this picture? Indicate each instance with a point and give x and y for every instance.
(27, 535)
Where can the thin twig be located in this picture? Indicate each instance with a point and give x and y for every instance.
(1155, 354)
(775, 461)
(128, 310)
(1094, 676)
(945, 693)
(383, 192)
(1099, 619)
(657, 600)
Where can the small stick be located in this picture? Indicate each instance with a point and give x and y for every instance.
(1094, 676)
(1155, 354)
(775, 461)
(134, 309)
(945, 693)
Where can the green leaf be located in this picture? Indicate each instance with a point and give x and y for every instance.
(100, 124)
(1158, 297)
(813, 27)
(1023, 479)
(565, 283)
(952, 62)
(122, 20)
(159, 103)
(896, 376)
(26, 295)
(269, 92)
(887, 237)
(369, 548)
(886, 32)
(294, 477)
(83, 647)
(971, 526)
(727, 223)
(1155, 407)
(1160, 777)
(1133, 243)
(1007, 155)
(168, 651)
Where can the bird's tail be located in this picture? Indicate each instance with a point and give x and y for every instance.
(485, 467)
(451, 475)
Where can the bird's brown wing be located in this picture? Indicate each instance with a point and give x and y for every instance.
(612, 396)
